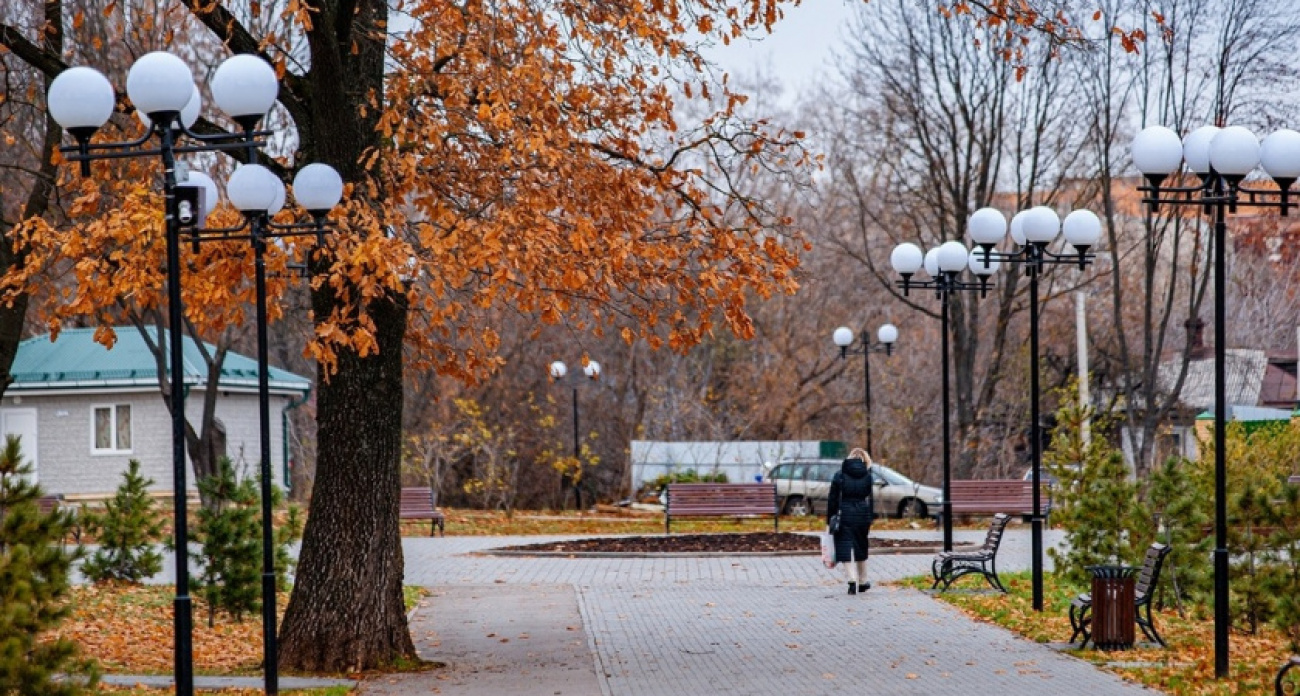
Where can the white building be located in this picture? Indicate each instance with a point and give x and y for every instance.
(83, 411)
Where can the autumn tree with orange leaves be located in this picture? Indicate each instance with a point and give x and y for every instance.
(508, 155)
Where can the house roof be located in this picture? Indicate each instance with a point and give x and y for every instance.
(1250, 414)
(1243, 371)
(76, 362)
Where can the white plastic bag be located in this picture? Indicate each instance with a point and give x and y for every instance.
(828, 549)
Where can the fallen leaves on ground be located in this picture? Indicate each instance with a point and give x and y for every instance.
(1186, 668)
(128, 629)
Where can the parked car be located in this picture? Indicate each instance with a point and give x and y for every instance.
(1047, 478)
(804, 486)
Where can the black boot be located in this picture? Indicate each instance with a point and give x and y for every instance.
(864, 586)
(853, 588)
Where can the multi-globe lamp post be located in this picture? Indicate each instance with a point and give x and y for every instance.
(161, 87)
(559, 372)
(886, 336)
(1221, 160)
(1033, 232)
(944, 265)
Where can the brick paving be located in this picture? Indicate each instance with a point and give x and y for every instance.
(717, 625)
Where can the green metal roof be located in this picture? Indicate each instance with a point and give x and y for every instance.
(76, 361)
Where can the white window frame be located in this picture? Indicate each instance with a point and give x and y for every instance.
(112, 422)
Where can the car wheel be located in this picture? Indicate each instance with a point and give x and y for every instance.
(911, 509)
(798, 506)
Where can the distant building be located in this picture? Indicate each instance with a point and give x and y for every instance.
(1260, 387)
(83, 411)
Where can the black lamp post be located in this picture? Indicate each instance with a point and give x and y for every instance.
(1221, 158)
(1033, 231)
(259, 194)
(944, 264)
(559, 372)
(886, 335)
(161, 86)
(162, 89)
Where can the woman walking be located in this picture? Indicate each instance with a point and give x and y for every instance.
(851, 500)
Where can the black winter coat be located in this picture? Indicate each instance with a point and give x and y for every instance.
(851, 495)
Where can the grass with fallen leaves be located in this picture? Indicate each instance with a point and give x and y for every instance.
(609, 520)
(1185, 669)
(127, 629)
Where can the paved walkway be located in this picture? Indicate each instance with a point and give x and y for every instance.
(683, 626)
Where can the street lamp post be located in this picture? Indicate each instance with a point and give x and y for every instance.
(944, 264)
(1033, 231)
(161, 86)
(258, 194)
(1221, 158)
(559, 371)
(886, 335)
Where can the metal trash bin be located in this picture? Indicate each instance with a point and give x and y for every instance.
(1114, 610)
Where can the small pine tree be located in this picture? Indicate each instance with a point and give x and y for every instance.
(1184, 511)
(34, 589)
(229, 535)
(1095, 501)
(1285, 583)
(1251, 569)
(127, 531)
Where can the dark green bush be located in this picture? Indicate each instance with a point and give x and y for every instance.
(34, 589)
(127, 531)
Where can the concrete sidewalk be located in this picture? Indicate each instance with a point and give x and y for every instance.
(753, 626)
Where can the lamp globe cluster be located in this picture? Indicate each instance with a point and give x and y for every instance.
(254, 189)
(1039, 226)
(886, 335)
(1233, 152)
(558, 369)
(162, 88)
(944, 261)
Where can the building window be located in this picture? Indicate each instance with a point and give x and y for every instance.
(112, 428)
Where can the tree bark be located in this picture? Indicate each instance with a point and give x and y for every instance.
(347, 612)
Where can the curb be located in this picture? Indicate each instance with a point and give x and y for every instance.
(912, 550)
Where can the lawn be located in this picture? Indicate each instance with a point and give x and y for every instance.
(1185, 669)
(609, 520)
(128, 630)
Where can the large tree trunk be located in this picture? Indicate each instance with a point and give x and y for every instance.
(346, 612)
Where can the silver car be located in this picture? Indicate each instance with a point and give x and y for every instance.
(805, 485)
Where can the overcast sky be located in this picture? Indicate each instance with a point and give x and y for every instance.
(799, 50)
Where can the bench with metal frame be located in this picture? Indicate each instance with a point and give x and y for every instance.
(1143, 589)
(721, 500)
(950, 565)
(1281, 685)
(417, 504)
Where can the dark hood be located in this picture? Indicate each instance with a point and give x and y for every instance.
(854, 468)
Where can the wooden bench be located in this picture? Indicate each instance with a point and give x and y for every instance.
(53, 503)
(1143, 588)
(1280, 685)
(417, 504)
(950, 565)
(721, 500)
(1007, 496)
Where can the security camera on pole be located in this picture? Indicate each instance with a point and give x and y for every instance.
(161, 86)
